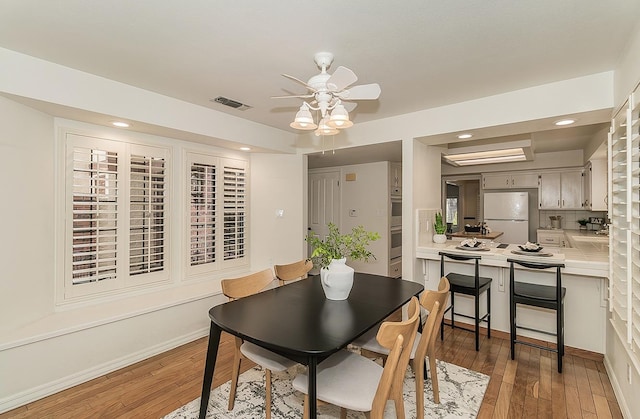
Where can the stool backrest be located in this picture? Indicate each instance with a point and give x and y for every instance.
(537, 265)
(459, 257)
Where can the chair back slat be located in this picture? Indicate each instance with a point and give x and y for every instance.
(292, 271)
(244, 286)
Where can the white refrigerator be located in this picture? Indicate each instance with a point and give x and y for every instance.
(508, 212)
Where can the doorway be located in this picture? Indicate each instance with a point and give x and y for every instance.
(461, 202)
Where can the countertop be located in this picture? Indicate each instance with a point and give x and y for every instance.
(588, 256)
(489, 236)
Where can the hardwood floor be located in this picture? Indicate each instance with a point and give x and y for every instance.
(528, 387)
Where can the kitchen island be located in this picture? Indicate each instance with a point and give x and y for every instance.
(584, 276)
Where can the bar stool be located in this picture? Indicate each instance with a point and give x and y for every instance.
(536, 295)
(473, 285)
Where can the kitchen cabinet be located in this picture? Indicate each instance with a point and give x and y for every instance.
(551, 238)
(395, 179)
(595, 185)
(560, 190)
(509, 180)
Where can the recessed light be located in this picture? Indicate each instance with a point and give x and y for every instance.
(565, 122)
(120, 124)
(465, 136)
(245, 148)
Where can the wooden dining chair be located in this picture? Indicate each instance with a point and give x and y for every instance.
(242, 287)
(424, 345)
(354, 382)
(293, 271)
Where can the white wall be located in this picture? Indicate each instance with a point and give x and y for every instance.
(368, 195)
(46, 348)
(277, 183)
(421, 189)
(627, 74)
(26, 214)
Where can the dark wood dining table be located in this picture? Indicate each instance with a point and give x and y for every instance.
(298, 322)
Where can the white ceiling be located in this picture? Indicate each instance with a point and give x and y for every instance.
(422, 53)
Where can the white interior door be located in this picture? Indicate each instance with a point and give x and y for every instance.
(324, 202)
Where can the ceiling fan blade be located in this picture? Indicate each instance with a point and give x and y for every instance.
(362, 92)
(300, 82)
(289, 96)
(349, 106)
(340, 79)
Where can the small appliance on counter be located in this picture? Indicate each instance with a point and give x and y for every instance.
(556, 222)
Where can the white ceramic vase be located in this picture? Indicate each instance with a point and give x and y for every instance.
(337, 280)
(439, 238)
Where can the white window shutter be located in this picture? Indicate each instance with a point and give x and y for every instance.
(202, 213)
(95, 199)
(234, 210)
(147, 214)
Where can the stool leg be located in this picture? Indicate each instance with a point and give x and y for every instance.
(453, 311)
(477, 301)
(560, 334)
(512, 332)
(489, 313)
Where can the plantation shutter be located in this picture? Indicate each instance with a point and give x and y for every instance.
(147, 216)
(619, 256)
(202, 214)
(624, 208)
(94, 214)
(634, 185)
(234, 207)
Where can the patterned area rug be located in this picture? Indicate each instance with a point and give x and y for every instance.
(461, 393)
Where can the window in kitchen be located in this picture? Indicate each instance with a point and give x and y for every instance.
(116, 231)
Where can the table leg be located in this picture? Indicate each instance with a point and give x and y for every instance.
(212, 354)
(311, 385)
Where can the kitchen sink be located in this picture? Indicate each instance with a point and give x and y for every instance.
(591, 239)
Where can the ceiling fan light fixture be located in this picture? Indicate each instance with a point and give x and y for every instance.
(303, 119)
(339, 118)
(325, 129)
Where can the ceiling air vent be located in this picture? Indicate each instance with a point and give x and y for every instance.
(231, 103)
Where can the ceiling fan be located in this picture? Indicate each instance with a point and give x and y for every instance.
(328, 92)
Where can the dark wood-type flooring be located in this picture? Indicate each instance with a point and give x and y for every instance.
(528, 387)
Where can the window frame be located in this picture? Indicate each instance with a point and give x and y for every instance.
(624, 242)
(220, 263)
(123, 282)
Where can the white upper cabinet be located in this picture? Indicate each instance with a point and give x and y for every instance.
(509, 180)
(560, 190)
(395, 179)
(595, 185)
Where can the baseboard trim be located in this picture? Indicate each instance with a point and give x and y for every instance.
(617, 390)
(47, 389)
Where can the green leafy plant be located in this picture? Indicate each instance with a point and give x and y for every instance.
(439, 226)
(353, 245)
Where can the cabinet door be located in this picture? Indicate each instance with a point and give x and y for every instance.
(598, 184)
(586, 187)
(395, 179)
(549, 191)
(524, 180)
(496, 181)
(571, 189)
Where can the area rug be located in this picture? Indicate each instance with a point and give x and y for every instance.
(461, 393)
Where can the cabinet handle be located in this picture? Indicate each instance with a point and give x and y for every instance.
(513, 182)
(507, 182)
